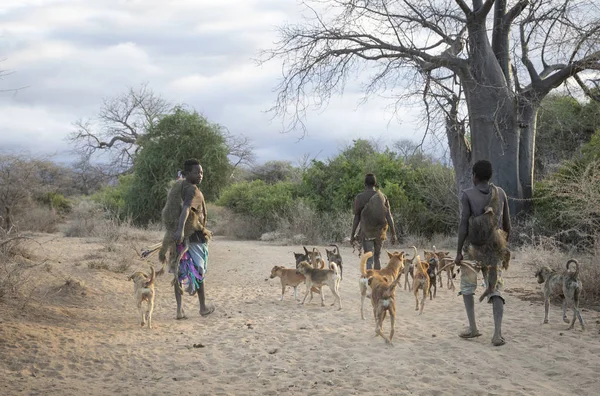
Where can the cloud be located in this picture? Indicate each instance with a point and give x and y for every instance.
(73, 53)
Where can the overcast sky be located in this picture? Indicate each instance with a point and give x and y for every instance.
(72, 53)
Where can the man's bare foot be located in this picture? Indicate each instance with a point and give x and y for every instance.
(469, 334)
(208, 311)
(181, 317)
(498, 341)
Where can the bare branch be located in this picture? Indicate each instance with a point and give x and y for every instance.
(514, 12)
(122, 120)
(464, 7)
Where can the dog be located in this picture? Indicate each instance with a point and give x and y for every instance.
(409, 269)
(143, 290)
(390, 273)
(566, 285)
(445, 262)
(433, 263)
(288, 277)
(320, 277)
(421, 280)
(335, 256)
(383, 301)
(315, 258)
(300, 257)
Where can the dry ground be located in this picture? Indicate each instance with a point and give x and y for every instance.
(84, 337)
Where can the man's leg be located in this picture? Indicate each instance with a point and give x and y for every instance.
(498, 308)
(378, 243)
(369, 246)
(497, 302)
(204, 311)
(468, 284)
(180, 313)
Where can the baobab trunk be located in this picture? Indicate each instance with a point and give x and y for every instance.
(495, 136)
(527, 127)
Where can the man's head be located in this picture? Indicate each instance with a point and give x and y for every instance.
(482, 171)
(370, 180)
(193, 171)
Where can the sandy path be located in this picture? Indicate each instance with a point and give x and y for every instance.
(67, 343)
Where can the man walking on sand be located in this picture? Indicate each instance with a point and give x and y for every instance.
(372, 212)
(474, 200)
(193, 265)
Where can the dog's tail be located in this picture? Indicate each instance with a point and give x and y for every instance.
(152, 277)
(337, 249)
(576, 273)
(393, 285)
(333, 266)
(363, 262)
(416, 256)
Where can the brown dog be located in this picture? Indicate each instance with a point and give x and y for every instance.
(391, 272)
(383, 301)
(320, 277)
(315, 258)
(421, 280)
(143, 290)
(288, 277)
(445, 263)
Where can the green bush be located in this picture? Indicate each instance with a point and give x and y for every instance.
(176, 138)
(112, 198)
(56, 201)
(264, 202)
(422, 195)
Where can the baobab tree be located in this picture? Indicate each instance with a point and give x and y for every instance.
(494, 61)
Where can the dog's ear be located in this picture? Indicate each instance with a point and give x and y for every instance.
(390, 255)
(305, 249)
(369, 280)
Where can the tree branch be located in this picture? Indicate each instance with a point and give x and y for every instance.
(482, 12)
(464, 7)
(514, 12)
(591, 62)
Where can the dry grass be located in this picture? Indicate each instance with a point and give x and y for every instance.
(88, 220)
(16, 261)
(543, 251)
(37, 219)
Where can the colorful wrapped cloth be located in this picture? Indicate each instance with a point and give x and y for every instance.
(193, 266)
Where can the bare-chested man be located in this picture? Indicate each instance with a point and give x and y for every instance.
(193, 265)
(473, 203)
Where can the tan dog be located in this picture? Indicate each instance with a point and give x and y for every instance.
(391, 272)
(383, 301)
(445, 263)
(320, 277)
(143, 290)
(421, 280)
(290, 277)
(315, 257)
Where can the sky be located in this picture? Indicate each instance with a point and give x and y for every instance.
(70, 54)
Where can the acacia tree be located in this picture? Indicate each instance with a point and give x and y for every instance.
(124, 121)
(500, 57)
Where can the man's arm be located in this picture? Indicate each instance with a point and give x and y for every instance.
(356, 209)
(506, 217)
(203, 213)
(185, 212)
(463, 228)
(390, 221)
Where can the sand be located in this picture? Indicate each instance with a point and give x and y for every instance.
(87, 339)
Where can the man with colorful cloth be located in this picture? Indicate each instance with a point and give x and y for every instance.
(193, 264)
